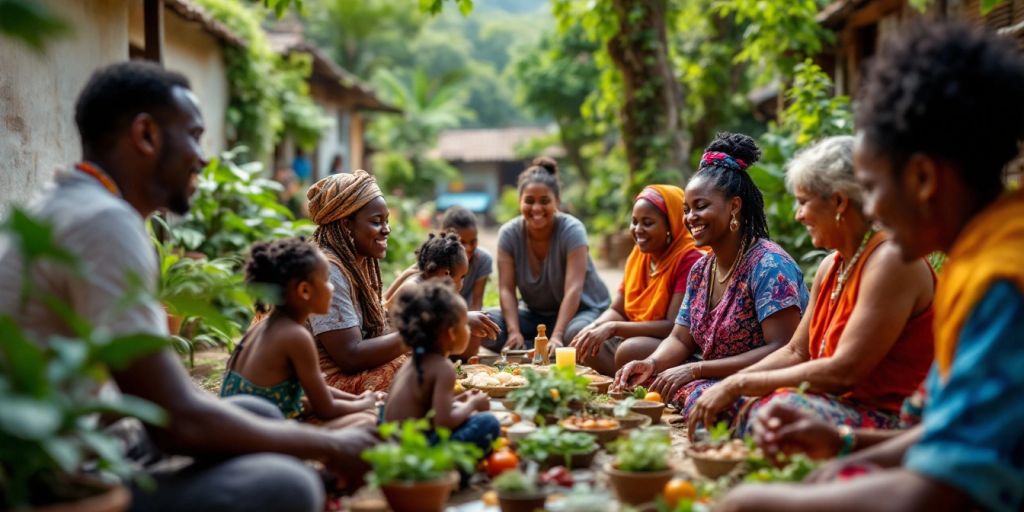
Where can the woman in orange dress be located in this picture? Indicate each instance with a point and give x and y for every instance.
(652, 288)
(865, 343)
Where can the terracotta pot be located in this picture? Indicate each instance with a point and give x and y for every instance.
(603, 436)
(430, 496)
(600, 383)
(521, 502)
(637, 488)
(113, 499)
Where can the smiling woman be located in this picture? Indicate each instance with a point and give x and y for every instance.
(352, 218)
(743, 299)
(543, 254)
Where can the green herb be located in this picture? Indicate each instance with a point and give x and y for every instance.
(720, 433)
(550, 393)
(514, 481)
(796, 469)
(460, 373)
(804, 386)
(639, 392)
(623, 408)
(408, 455)
(555, 441)
(643, 451)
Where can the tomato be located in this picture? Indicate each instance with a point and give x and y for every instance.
(678, 489)
(501, 461)
(653, 396)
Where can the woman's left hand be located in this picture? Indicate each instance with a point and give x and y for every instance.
(670, 381)
(588, 342)
(713, 401)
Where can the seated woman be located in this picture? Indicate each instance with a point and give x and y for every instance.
(543, 254)
(743, 300)
(481, 265)
(356, 352)
(652, 287)
(277, 358)
(932, 170)
(866, 342)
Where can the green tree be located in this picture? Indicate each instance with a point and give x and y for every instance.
(555, 78)
(366, 35)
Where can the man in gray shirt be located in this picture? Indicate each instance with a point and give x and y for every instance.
(140, 128)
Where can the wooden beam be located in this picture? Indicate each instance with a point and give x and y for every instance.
(153, 27)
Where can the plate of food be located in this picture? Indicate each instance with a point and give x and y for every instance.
(496, 385)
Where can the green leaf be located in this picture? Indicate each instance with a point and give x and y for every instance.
(121, 351)
(64, 452)
(31, 22)
(34, 237)
(29, 419)
(22, 360)
(988, 5)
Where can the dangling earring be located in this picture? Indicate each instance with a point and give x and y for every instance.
(668, 239)
(351, 239)
(839, 217)
(734, 224)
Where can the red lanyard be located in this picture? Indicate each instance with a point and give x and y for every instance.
(104, 180)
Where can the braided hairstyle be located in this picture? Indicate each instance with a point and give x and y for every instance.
(729, 176)
(440, 251)
(278, 263)
(421, 313)
(362, 274)
(543, 170)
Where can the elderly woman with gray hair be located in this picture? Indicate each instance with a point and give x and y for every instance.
(865, 341)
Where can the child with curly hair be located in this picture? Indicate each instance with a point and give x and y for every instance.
(277, 357)
(431, 318)
(440, 256)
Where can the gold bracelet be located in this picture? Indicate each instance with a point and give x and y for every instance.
(695, 371)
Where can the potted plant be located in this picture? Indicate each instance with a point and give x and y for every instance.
(54, 455)
(413, 473)
(518, 493)
(550, 396)
(640, 469)
(552, 445)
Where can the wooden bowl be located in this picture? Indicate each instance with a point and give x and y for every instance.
(711, 468)
(600, 382)
(633, 420)
(492, 391)
(649, 408)
(619, 395)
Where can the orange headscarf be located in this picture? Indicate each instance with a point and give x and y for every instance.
(647, 296)
(990, 248)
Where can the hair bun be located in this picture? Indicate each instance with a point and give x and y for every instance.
(736, 145)
(547, 163)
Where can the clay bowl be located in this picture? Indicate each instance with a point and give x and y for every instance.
(633, 421)
(576, 460)
(599, 383)
(711, 467)
(638, 488)
(492, 391)
(602, 435)
(649, 408)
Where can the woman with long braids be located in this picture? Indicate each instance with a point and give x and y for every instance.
(743, 300)
(356, 352)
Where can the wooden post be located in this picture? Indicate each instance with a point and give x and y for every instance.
(153, 27)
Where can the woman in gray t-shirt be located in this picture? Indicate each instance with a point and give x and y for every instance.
(543, 255)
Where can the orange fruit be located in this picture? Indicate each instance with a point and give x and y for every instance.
(678, 489)
(490, 498)
(501, 461)
(653, 396)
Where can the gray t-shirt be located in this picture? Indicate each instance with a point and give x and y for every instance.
(543, 293)
(343, 313)
(109, 239)
(481, 267)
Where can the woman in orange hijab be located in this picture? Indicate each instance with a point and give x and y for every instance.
(652, 288)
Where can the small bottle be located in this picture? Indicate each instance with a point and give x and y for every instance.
(540, 346)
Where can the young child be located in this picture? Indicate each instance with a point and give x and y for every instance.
(277, 357)
(481, 265)
(431, 319)
(440, 256)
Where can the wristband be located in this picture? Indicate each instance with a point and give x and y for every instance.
(848, 439)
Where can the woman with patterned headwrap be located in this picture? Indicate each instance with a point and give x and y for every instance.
(652, 287)
(356, 352)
